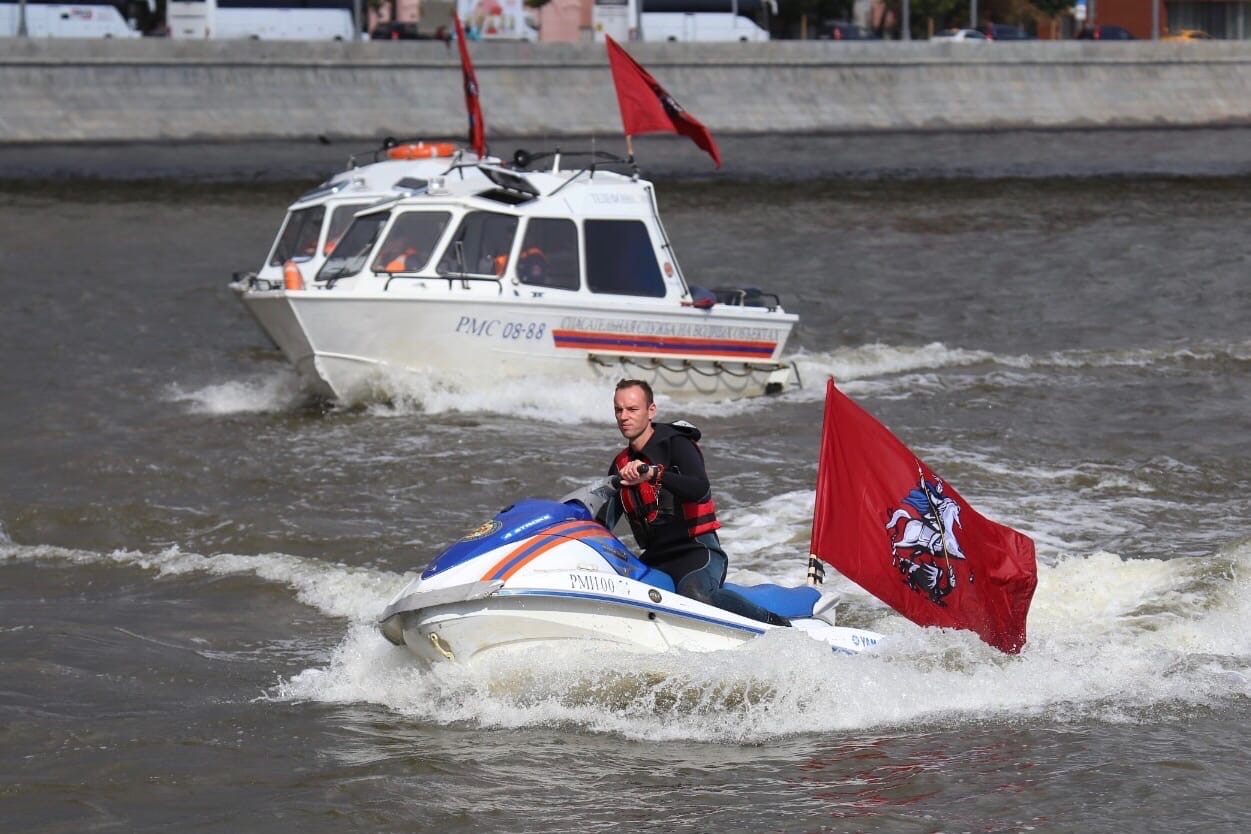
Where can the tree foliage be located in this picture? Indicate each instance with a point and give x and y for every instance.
(1052, 8)
(787, 21)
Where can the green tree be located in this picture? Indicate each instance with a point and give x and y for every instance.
(946, 14)
(787, 22)
(1051, 8)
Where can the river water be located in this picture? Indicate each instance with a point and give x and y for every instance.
(192, 553)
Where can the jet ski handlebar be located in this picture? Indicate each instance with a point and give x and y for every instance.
(596, 495)
(615, 480)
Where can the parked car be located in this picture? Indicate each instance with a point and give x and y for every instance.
(1007, 32)
(395, 31)
(970, 35)
(1188, 35)
(845, 30)
(1104, 33)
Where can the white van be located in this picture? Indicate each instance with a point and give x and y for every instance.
(65, 20)
(700, 26)
(264, 20)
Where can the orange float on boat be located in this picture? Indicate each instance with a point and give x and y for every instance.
(421, 150)
(291, 277)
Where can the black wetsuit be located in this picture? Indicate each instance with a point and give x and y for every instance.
(697, 563)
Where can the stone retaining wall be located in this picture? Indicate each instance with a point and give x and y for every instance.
(151, 89)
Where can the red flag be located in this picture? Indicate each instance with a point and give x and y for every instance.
(477, 130)
(646, 107)
(888, 523)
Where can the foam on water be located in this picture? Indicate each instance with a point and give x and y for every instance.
(335, 590)
(904, 371)
(556, 400)
(1109, 639)
(276, 391)
(879, 369)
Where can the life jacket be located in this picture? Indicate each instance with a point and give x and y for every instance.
(400, 262)
(532, 264)
(642, 502)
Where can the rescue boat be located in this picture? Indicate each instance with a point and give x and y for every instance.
(489, 271)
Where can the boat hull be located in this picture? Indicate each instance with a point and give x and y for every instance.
(465, 632)
(350, 346)
(507, 623)
(464, 623)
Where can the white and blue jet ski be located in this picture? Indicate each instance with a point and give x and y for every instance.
(547, 573)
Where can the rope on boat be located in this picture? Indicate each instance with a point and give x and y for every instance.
(687, 366)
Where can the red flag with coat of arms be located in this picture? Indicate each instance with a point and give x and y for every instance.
(888, 523)
(646, 107)
(477, 129)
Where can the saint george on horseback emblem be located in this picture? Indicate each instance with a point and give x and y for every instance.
(672, 109)
(923, 540)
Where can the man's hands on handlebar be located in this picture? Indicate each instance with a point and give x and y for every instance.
(635, 472)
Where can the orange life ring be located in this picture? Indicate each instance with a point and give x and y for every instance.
(421, 150)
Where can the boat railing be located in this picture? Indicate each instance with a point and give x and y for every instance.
(465, 280)
(524, 160)
(746, 297)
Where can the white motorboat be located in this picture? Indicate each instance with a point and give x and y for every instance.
(488, 272)
(545, 573)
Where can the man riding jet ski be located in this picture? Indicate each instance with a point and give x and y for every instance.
(666, 496)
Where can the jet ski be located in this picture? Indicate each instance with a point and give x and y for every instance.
(545, 573)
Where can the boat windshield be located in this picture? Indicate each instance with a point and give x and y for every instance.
(340, 219)
(411, 240)
(298, 239)
(354, 247)
(481, 245)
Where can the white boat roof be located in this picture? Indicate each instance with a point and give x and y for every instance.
(384, 178)
(579, 191)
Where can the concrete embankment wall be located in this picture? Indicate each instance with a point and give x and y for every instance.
(143, 90)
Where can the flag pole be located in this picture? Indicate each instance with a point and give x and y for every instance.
(634, 166)
(816, 571)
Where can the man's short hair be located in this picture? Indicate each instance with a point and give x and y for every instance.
(630, 383)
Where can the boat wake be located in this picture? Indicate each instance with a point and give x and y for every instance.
(1110, 639)
(872, 369)
(889, 370)
(532, 397)
(273, 392)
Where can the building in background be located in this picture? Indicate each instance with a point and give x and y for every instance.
(1224, 19)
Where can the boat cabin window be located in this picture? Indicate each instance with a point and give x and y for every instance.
(620, 259)
(298, 240)
(411, 241)
(549, 254)
(354, 247)
(340, 219)
(481, 245)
